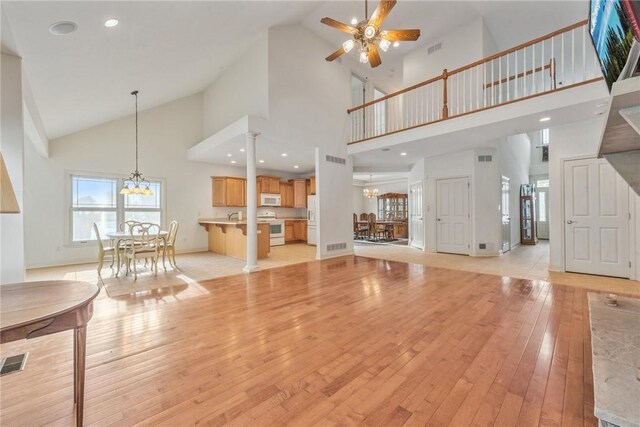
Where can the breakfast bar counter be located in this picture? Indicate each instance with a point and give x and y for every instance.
(229, 237)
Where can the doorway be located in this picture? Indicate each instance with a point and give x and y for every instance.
(452, 215)
(505, 212)
(416, 225)
(596, 229)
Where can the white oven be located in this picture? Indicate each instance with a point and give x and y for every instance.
(267, 199)
(276, 227)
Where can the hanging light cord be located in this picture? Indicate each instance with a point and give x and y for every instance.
(135, 93)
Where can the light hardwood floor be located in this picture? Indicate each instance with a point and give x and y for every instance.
(342, 341)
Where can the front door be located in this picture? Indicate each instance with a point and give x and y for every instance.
(596, 230)
(452, 215)
(415, 215)
(542, 208)
(505, 212)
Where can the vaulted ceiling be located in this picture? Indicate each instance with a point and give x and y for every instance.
(171, 49)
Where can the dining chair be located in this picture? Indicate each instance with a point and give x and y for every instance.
(364, 217)
(126, 225)
(144, 243)
(359, 230)
(168, 246)
(103, 250)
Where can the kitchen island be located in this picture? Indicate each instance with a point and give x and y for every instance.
(229, 237)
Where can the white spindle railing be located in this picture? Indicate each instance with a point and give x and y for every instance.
(562, 59)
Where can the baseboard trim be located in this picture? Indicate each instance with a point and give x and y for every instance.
(485, 254)
(335, 254)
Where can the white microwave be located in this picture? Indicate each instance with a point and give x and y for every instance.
(269, 199)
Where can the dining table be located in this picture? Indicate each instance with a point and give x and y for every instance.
(117, 237)
(387, 222)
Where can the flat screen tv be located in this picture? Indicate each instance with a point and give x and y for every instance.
(614, 26)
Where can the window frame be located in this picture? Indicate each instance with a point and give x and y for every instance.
(120, 209)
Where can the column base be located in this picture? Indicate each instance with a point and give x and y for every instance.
(250, 268)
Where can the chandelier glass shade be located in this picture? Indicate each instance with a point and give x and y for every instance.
(136, 183)
(370, 193)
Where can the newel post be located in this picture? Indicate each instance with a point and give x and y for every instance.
(445, 108)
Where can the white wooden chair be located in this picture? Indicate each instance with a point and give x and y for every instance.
(144, 243)
(103, 250)
(169, 246)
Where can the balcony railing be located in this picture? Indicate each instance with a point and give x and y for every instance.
(557, 61)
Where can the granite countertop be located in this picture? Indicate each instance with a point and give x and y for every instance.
(615, 345)
(225, 221)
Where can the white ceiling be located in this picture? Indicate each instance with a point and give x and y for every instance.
(171, 49)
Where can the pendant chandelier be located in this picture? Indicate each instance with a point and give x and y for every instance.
(370, 193)
(133, 184)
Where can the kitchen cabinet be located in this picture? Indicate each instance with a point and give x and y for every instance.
(269, 184)
(299, 193)
(228, 191)
(286, 194)
(289, 232)
(300, 230)
(311, 186)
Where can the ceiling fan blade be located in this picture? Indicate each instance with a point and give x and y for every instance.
(338, 25)
(335, 54)
(381, 12)
(400, 35)
(374, 56)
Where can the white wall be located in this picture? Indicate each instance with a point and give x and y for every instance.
(514, 154)
(240, 91)
(12, 263)
(165, 134)
(460, 46)
(362, 204)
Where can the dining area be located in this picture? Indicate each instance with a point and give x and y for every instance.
(134, 245)
(367, 227)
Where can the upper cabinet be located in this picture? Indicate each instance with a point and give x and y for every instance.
(299, 192)
(311, 186)
(286, 195)
(268, 184)
(228, 191)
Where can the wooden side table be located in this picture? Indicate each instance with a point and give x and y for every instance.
(34, 309)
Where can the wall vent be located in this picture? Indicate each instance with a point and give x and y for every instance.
(434, 48)
(334, 159)
(336, 246)
(13, 364)
(485, 158)
(482, 246)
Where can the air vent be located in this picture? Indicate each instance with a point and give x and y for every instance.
(432, 49)
(334, 159)
(487, 158)
(13, 364)
(482, 246)
(336, 246)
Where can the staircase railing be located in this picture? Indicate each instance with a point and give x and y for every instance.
(559, 60)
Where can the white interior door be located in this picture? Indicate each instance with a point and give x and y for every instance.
(416, 229)
(596, 231)
(452, 215)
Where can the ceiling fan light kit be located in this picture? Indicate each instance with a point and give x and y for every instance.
(368, 36)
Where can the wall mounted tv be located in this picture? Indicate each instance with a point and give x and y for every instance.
(614, 26)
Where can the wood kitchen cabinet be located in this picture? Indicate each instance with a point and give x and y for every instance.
(286, 194)
(311, 186)
(299, 193)
(300, 230)
(289, 232)
(228, 191)
(269, 184)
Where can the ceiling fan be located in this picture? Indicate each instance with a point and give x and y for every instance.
(368, 35)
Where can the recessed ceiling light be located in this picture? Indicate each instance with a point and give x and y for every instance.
(233, 162)
(111, 23)
(545, 119)
(296, 166)
(229, 155)
(354, 20)
(284, 154)
(396, 44)
(403, 154)
(260, 161)
(62, 28)
(242, 150)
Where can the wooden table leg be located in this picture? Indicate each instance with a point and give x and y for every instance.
(80, 351)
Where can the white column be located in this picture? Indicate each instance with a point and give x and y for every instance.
(252, 205)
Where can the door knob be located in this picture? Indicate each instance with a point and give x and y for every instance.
(438, 219)
(571, 222)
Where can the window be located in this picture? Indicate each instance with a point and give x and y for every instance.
(544, 136)
(97, 200)
(542, 183)
(542, 206)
